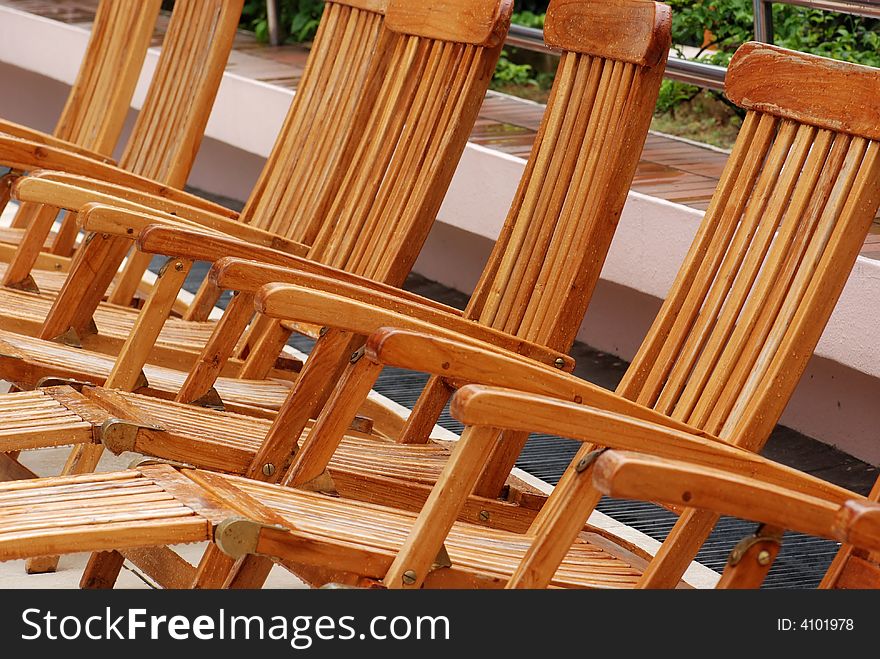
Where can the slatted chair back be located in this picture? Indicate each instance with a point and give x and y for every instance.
(169, 128)
(171, 123)
(316, 129)
(546, 262)
(385, 173)
(770, 260)
(99, 100)
(552, 247)
(774, 251)
(421, 98)
(98, 103)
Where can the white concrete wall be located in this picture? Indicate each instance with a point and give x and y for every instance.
(835, 402)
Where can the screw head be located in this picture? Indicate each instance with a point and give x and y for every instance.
(178, 266)
(484, 515)
(763, 558)
(268, 469)
(560, 362)
(409, 577)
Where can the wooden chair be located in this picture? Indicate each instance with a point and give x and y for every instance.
(358, 171)
(723, 356)
(793, 207)
(282, 211)
(601, 105)
(853, 520)
(159, 153)
(92, 118)
(423, 92)
(555, 240)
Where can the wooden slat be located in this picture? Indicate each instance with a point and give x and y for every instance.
(626, 30)
(479, 22)
(799, 86)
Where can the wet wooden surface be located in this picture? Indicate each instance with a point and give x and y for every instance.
(672, 169)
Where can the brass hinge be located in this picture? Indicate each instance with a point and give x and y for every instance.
(587, 461)
(141, 382)
(51, 381)
(148, 462)
(322, 483)
(28, 285)
(362, 424)
(763, 534)
(120, 435)
(237, 537)
(210, 400)
(73, 338)
(442, 559)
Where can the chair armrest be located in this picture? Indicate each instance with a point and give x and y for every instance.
(41, 189)
(728, 492)
(157, 195)
(26, 155)
(39, 137)
(858, 523)
(238, 274)
(301, 304)
(477, 405)
(131, 222)
(467, 362)
(243, 267)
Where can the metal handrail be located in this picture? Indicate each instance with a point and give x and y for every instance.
(711, 76)
(708, 76)
(764, 12)
(704, 75)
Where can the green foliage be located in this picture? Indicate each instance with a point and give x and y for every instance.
(510, 73)
(673, 94)
(730, 23)
(528, 19)
(300, 18)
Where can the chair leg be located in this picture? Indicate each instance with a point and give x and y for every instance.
(214, 569)
(251, 573)
(751, 559)
(102, 570)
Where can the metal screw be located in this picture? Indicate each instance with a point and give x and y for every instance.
(763, 558)
(484, 515)
(409, 577)
(560, 362)
(178, 266)
(268, 469)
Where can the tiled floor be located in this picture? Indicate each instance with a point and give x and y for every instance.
(671, 169)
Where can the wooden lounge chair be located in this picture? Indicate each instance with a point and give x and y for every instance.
(563, 219)
(564, 215)
(93, 116)
(603, 106)
(735, 333)
(381, 204)
(164, 141)
(283, 210)
(852, 520)
(812, 185)
(410, 118)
